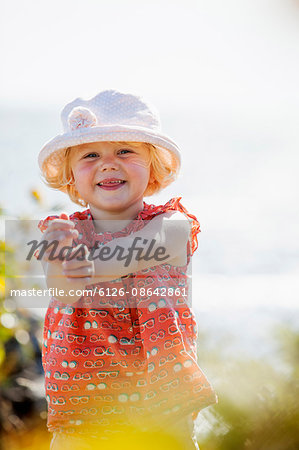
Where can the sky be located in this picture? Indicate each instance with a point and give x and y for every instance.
(224, 76)
(215, 53)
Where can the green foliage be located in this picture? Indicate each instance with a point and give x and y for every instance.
(257, 403)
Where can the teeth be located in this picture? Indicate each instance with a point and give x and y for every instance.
(111, 182)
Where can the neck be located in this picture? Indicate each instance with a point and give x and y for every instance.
(113, 221)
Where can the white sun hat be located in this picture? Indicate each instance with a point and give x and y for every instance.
(109, 116)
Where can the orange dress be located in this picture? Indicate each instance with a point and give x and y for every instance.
(127, 353)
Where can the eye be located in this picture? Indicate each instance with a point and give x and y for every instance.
(91, 155)
(123, 151)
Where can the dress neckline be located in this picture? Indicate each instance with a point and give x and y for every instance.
(126, 229)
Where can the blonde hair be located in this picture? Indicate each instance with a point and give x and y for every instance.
(164, 168)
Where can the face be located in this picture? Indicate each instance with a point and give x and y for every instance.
(111, 177)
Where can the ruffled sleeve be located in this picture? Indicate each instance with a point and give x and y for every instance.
(44, 223)
(174, 204)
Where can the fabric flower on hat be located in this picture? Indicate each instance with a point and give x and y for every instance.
(81, 117)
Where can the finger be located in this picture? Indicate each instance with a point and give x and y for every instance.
(75, 254)
(78, 282)
(63, 216)
(60, 227)
(78, 253)
(75, 263)
(84, 250)
(80, 272)
(57, 241)
(79, 265)
(60, 224)
(58, 235)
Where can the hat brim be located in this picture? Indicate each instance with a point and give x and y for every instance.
(52, 154)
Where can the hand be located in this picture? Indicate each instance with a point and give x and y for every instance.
(77, 268)
(61, 230)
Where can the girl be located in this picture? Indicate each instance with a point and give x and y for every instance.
(119, 349)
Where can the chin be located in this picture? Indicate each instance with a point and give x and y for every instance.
(113, 206)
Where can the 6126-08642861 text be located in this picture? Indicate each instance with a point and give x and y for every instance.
(109, 292)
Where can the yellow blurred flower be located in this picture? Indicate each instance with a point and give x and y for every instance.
(36, 195)
(2, 286)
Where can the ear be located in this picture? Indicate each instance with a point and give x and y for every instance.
(73, 179)
(151, 178)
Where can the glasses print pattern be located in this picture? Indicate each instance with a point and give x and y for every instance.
(124, 360)
(112, 367)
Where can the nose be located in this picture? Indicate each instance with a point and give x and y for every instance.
(108, 162)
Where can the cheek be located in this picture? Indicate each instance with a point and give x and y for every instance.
(82, 173)
(141, 176)
(139, 167)
(138, 160)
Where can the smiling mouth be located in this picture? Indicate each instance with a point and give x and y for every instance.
(111, 185)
